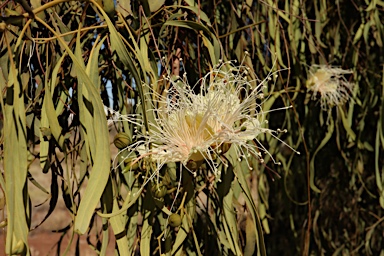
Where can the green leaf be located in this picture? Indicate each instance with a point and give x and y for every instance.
(124, 7)
(155, 5)
(326, 138)
(229, 223)
(109, 7)
(15, 164)
(146, 234)
(49, 115)
(117, 222)
(238, 168)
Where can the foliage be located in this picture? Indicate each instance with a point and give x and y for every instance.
(63, 61)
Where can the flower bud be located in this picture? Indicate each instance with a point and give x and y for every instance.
(174, 220)
(159, 190)
(121, 140)
(2, 200)
(192, 165)
(4, 223)
(3, 26)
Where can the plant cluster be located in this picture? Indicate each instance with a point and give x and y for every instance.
(137, 119)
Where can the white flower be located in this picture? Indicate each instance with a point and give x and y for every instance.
(331, 84)
(190, 126)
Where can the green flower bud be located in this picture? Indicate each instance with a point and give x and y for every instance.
(4, 223)
(192, 165)
(3, 26)
(121, 140)
(159, 190)
(174, 220)
(2, 200)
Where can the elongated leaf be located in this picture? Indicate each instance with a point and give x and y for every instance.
(49, 115)
(238, 169)
(15, 165)
(230, 225)
(312, 163)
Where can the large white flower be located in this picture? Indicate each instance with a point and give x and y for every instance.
(194, 126)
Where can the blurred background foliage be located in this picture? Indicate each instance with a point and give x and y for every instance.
(61, 61)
